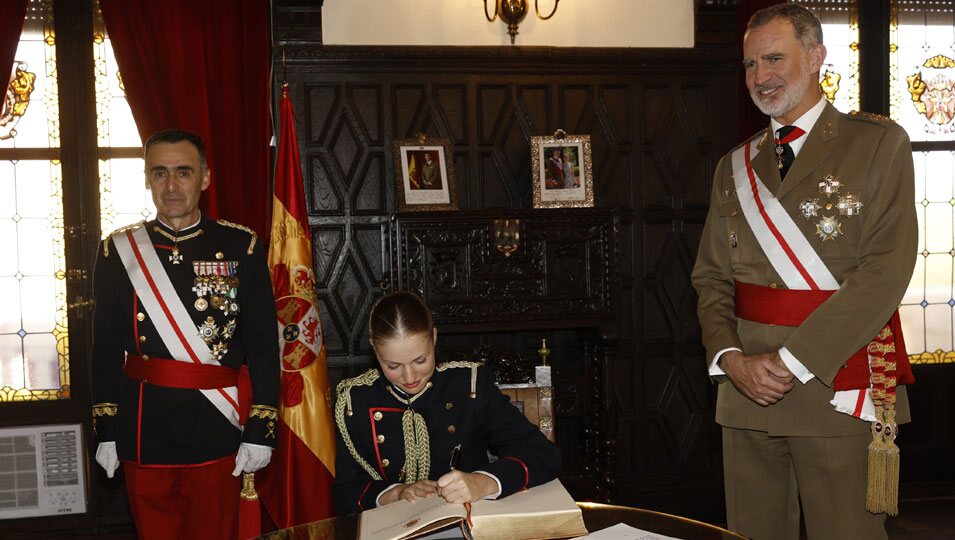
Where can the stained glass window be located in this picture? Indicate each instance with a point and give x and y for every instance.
(34, 350)
(839, 76)
(922, 100)
(34, 345)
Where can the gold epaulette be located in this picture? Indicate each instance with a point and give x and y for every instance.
(241, 228)
(343, 390)
(872, 117)
(131, 227)
(473, 366)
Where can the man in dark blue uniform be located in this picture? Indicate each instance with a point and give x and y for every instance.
(182, 303)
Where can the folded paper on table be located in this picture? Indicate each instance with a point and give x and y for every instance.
(545, 511)
(622, 531)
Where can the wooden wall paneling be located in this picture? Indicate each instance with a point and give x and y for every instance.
(659, 121)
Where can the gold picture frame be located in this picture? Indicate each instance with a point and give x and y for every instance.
(424, 174)
(562, 171)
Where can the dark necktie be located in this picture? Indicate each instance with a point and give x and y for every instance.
(784, 153)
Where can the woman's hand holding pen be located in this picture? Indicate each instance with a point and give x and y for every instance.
(410, 492)
(462, 487)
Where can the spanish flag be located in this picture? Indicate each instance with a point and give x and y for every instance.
(296, 486)
(413, 173)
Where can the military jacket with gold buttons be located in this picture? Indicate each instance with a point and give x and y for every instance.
(220, 274)
(376, 449)
(850, 191)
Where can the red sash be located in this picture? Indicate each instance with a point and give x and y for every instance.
(174, 374)
(790, 307)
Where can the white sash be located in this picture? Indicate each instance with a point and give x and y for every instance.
(169, 315)
(790, 253)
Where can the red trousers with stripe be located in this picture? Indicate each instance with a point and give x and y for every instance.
(184, 502)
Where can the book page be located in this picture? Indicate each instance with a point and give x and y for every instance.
(549, 498)
(622, 531)
(403, 518)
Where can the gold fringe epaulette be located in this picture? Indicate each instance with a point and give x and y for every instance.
(241, 228)
(872, 117)
(131, 227)
(343, 391)
(473, 366)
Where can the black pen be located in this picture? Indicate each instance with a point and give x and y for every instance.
(455, 456)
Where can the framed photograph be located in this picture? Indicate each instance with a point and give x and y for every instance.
(424, 174)
(562, 171)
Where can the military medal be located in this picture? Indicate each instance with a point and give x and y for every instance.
(176, 257)
(809, 207)
(829, 185)
(829, 228)
(208, 330)
(849, 205)
(201, 304)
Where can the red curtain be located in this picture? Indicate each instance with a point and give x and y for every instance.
(203, 65)
(11, 25)
(751, 119)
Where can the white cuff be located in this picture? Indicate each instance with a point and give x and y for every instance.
(497, 493)
(795, 366)
(715, 368)
(386, 490)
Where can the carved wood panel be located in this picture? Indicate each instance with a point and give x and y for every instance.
(659, 120)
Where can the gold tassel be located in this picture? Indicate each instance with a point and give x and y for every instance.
(248, 492)
(892, 459)
(875, 484)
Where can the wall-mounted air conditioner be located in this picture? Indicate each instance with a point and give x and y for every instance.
(41, 471)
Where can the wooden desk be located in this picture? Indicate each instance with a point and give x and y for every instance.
(596, 517)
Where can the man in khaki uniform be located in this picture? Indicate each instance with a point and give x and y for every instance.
(844, 183)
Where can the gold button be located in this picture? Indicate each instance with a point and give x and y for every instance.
(219, 255)
(140, 316)
(349, 413)
(142, 339)
(473, 395)
(828, 206)
(452, 429)
(773, 286)
(378, 415)
(145, 357)
(381, 439)
(429, 385)
(734, 213)
(448, 406)
(385, 462)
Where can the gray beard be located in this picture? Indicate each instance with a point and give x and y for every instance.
(793, 94)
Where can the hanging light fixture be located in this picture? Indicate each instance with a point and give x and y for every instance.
(512, 12)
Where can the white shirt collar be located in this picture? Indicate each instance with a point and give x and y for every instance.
(804, 122)
(182, 229)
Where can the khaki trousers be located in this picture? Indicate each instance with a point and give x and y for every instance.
(765, 478)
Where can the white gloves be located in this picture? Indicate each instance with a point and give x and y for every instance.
(250, 458)
(107, 458)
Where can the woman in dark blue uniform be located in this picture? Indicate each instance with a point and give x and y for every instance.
(400, 424)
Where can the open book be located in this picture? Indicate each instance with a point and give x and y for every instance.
(545, 511)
